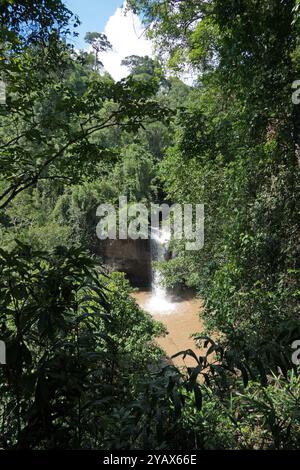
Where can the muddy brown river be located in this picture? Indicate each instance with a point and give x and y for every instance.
(181, 321)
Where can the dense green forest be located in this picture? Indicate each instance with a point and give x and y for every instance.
(83, 369)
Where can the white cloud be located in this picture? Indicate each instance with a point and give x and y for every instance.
(127, 36)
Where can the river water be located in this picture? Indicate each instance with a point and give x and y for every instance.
(181, 322)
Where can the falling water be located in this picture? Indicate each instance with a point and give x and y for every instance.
(159, 301)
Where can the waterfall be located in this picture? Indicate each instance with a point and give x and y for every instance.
(159, 301)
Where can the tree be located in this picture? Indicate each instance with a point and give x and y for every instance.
(146, 68)
(140, 65)
(99, 43)
(27, 22)
(50, 121)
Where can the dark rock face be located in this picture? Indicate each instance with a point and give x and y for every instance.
(132, 257)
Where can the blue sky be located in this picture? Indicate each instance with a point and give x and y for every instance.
(93, 15)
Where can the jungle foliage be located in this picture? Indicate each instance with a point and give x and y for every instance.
(83, 369)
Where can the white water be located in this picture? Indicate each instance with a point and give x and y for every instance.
(159, 302)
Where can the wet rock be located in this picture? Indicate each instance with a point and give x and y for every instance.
(132, 257)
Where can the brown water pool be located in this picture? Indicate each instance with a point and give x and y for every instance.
(181, 322)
